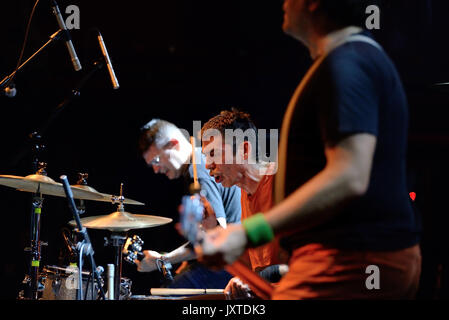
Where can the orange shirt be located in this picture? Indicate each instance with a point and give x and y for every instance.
(261, 201)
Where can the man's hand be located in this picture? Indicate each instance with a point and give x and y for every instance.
(237, 290)
(222, 246)
(148, 263)
(209, 218)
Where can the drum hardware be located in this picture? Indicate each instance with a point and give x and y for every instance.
(117, 240)
(82, 181)
(85, 243)
(125, 288)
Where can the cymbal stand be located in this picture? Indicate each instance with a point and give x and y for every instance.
(118, 240)
(32, 279)
(85, 243)
(82, 181)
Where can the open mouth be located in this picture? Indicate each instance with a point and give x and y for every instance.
(218, 178)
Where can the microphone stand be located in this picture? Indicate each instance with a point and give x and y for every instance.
(54, 36)
(82, 233)
(36, 136)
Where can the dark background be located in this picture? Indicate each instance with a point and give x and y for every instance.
(186, 60)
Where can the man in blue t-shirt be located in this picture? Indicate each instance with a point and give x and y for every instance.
(166, 149)
(342, 210)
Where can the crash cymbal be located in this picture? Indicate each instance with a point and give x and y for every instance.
(37, 183)
(122, 221)
(109, 197)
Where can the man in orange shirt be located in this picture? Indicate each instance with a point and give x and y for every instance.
(235, 162)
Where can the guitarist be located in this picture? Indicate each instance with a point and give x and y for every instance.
(165, 148)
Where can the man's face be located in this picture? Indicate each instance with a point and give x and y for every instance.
(221, 162)
(164, 161)
(294, 18)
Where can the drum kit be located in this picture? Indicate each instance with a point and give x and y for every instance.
(58, 283)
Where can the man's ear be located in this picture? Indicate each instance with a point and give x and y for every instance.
(246, 150)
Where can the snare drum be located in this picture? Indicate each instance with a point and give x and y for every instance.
(62, 283)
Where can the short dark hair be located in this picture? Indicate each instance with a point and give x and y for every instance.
(343, 13)
(233, 119)
(153, 132)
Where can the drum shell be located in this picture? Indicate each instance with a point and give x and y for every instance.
(62, 283)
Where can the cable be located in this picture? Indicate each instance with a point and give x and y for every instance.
(24, 43)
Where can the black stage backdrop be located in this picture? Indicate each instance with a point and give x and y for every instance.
(186, 60)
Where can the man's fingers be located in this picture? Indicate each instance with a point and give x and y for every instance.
(138, 264)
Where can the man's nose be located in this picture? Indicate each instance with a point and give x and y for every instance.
(210, 165)
(156, 168)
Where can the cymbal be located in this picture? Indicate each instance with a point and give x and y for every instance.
(122, 221)
(109, 197)
(37, 183)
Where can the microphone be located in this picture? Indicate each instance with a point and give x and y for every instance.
(68, 40)
(114, 80)
(10, 91)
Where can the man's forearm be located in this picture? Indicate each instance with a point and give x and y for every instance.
(346, 175)
(312, 204)
(183, 253)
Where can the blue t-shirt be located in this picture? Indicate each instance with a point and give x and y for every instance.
(356, 89)
(224, 201)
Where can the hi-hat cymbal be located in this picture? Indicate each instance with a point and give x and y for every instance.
(122, 221)
(109, 197)
(37, 183)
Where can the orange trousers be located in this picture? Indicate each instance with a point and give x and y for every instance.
(318, 272)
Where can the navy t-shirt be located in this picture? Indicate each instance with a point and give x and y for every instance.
(356, 89)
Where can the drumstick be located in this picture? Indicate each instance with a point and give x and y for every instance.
(180, 291)
(196, 185)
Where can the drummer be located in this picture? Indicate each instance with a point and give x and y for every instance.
(165, 148)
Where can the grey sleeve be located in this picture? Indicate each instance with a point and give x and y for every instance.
(213, 195)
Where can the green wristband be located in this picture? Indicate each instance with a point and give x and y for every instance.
(258, 230)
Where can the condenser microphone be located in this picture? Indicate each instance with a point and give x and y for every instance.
(114, 80)
(68, 41)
